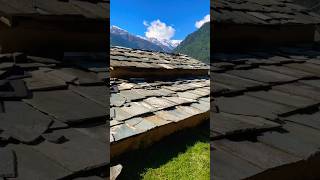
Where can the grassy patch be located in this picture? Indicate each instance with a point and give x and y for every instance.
(184, 155)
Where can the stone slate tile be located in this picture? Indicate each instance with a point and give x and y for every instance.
(262, 75)
(72, 154)
(228, 126)
(303, 133)
(163, 92)
(84, 78)
(257, 153)
(173, 115)
(218, 89)
(314, 83)
(66, 106)
(13, 90)
(188, 110)
(133, 121)
(62, 75)
(118, 114)
(143, 125)
(227, 166)
(235, 81)
(159, 103)
(34, 165)
(43, 81)
(180, 100)
(97, 132)
(310, 119)
(157, 120)
(132, 95)
(43, 60)
(283, 98)
(146, 93)
(201, 105)
(307, 67)
(189, 95)
(300, 89)
(296, 141)
(117, 100)
(8, 165)
(23, 122)
(288, 71)
(123, 131)
(97, 94)
(126, 86)
(133, 109)
(258, 122)
(250, 106)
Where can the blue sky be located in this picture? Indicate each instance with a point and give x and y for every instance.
(168, 19)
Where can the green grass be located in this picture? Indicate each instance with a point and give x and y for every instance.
(184, 155)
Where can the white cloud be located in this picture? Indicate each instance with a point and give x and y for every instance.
(145, 23)
(205, 19)
(159, 30)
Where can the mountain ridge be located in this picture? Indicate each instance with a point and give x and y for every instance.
(197, 44)
(121, 37)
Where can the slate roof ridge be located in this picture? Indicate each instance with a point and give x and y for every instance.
(151, 51)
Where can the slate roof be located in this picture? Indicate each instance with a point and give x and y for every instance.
(261, 12)
(141, 104)
(134, 58)
(265, 113)
(52, 116)
(96, 9)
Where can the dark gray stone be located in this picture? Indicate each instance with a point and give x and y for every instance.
(80, 153)
(97, 94)
(32, 164)
(66, 106)
(23, 122)
(8, 165)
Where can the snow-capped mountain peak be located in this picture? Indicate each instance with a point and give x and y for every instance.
(118, 30)
(165, 44)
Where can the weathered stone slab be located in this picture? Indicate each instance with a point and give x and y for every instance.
(283, 98)
(117, 100)
(8, 163)
(123, 131)
(66, 106)
(159, 103)
(257, 153)
(227, 166)
(34, 165)
(262, 75)
(246, 105)
(84, 78)
(43, 81)
(23, 122)
(97, 94)
(81, 152)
